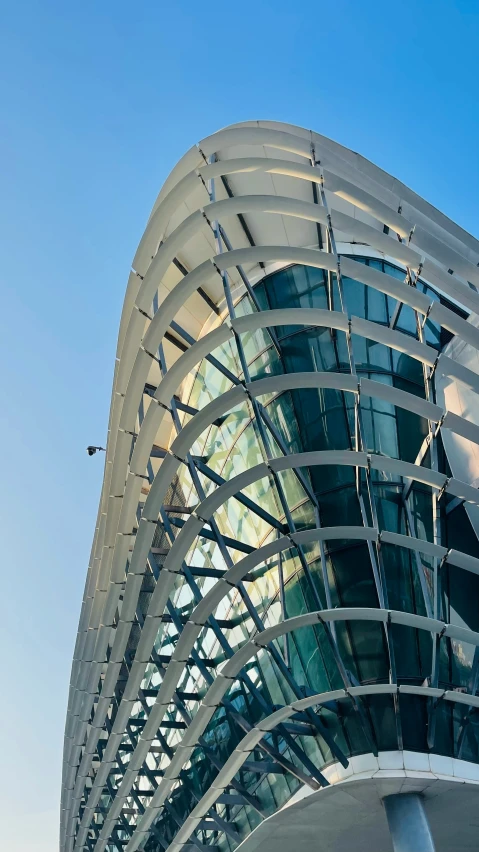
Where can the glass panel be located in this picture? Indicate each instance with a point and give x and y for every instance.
(305, 661)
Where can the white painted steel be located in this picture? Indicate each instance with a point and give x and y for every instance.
(361, 199)
(233, 666)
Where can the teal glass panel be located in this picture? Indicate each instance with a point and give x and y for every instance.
(299, 420)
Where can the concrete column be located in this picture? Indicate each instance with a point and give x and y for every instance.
(408, 823)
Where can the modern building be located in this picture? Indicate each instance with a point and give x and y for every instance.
(278, 642)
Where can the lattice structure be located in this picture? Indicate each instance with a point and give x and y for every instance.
(284, 569)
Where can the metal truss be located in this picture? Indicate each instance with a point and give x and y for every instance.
(154, 660)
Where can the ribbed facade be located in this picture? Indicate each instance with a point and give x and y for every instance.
(284, 574)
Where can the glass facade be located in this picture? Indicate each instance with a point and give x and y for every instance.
(285, 570)
(343, 573)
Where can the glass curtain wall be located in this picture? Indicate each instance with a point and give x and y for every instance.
(337, 573)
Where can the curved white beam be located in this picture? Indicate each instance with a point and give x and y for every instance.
(233, 666)
(253, 739)
(390, 336)
(219, 407)
(452, 324)
(365, 191)
(248, 323)
(192, 528)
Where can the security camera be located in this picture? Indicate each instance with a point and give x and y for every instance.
(92, 450)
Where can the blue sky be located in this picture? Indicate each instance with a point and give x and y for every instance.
(99, 99)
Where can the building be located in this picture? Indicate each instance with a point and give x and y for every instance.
(279, 632)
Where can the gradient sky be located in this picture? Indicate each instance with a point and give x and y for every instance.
(99, 99)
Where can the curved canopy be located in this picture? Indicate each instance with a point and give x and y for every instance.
(244, 203)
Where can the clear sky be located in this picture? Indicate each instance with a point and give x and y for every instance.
(99, 98)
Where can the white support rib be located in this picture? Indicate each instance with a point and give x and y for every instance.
(187, 437)
(361, 199)
(204, 511)
(232, 668)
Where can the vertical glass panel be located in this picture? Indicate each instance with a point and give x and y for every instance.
(290, 585)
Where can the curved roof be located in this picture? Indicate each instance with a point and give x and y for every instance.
(331, 153)
(249, 199)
